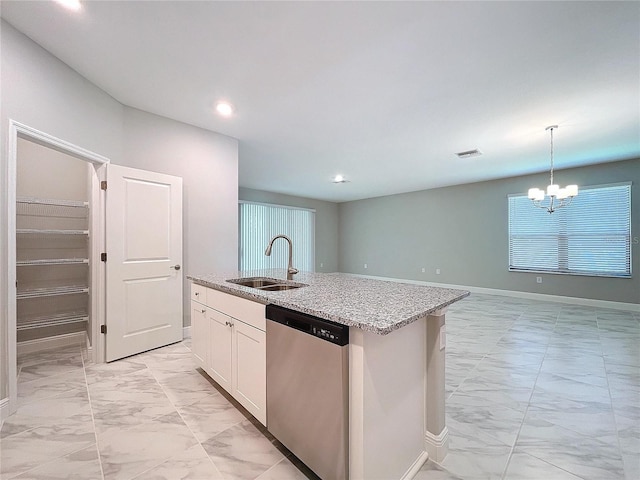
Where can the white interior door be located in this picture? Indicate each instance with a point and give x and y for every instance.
(144, 254)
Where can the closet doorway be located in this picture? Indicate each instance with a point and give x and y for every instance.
(55, 230)
(94, 253)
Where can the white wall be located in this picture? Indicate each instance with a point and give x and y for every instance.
(44, 93)
(40, 91)
(208, 164)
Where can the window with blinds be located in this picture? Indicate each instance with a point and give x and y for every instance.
(592, 236)
(260, 222)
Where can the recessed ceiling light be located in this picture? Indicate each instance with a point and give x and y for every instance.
(70, 4)
(339, 179)
(224, 108)
(469, 153)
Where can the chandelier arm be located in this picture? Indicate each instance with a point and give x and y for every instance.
(566, 204)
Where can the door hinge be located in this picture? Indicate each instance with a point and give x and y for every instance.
(103, 185)
(103, 257)
(103, 329)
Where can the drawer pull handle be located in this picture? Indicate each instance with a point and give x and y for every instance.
(176, 267)
(203, 311)
(197, 294)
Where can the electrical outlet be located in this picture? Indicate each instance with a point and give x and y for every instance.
(538, 279)
(321, 264)
(423, 270)
(437, 271)
(365, 265)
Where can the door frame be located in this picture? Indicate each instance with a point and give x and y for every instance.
(20, 130)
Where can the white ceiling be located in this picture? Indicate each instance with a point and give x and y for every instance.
(382, 92)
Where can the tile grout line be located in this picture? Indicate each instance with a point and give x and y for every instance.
(217, 434)
(613, 413)
(146, 366)
(53, 459)
(177, 410)
(52, 395)
(93, 420)
(485, 355)
(515, 441)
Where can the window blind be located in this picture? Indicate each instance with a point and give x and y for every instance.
(260, 222)
(592, 236)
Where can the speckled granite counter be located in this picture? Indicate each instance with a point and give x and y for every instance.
(372, 305)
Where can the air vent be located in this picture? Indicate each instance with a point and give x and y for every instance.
(469, 153)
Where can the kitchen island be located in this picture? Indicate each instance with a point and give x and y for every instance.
(396, 360)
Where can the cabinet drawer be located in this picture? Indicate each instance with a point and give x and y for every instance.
(198, 293)
(249, 312)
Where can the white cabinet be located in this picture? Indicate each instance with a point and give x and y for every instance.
(229, 344)
(249, 345)
(199, 333)
(221, 332)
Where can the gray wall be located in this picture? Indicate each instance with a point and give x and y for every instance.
(326, 223)
(463, 231)
(42, 92)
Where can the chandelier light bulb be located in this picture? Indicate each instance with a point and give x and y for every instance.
(552, 190)
(572, 190)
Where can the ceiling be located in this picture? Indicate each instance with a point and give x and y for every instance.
(384, 93)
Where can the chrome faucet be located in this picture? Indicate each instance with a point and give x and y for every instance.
(290, 270)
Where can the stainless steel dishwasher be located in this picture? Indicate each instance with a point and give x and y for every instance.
(308, 389)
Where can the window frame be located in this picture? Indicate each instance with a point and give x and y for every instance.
(565, 260)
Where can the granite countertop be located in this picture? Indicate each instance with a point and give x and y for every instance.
(373, 305)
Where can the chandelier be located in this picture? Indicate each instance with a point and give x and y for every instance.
(558, 197)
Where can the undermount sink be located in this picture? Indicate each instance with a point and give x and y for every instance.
(273, 288)
(253, 282)
(267, 284)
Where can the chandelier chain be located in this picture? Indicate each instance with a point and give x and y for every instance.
(551, 156)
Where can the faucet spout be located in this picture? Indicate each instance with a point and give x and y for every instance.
(290, 270)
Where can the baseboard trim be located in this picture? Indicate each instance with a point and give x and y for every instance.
(437, 445)
(68, 339)
(590, 302)
(416, 466)
(186, 332)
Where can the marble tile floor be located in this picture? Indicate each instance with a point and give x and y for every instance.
(534, 391)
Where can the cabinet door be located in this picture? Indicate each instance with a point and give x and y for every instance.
(199, 333)
(220, 359)
(251, 371)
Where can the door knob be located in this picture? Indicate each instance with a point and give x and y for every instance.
(176, 267)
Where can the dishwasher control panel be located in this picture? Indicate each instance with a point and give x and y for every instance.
(318, 327)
